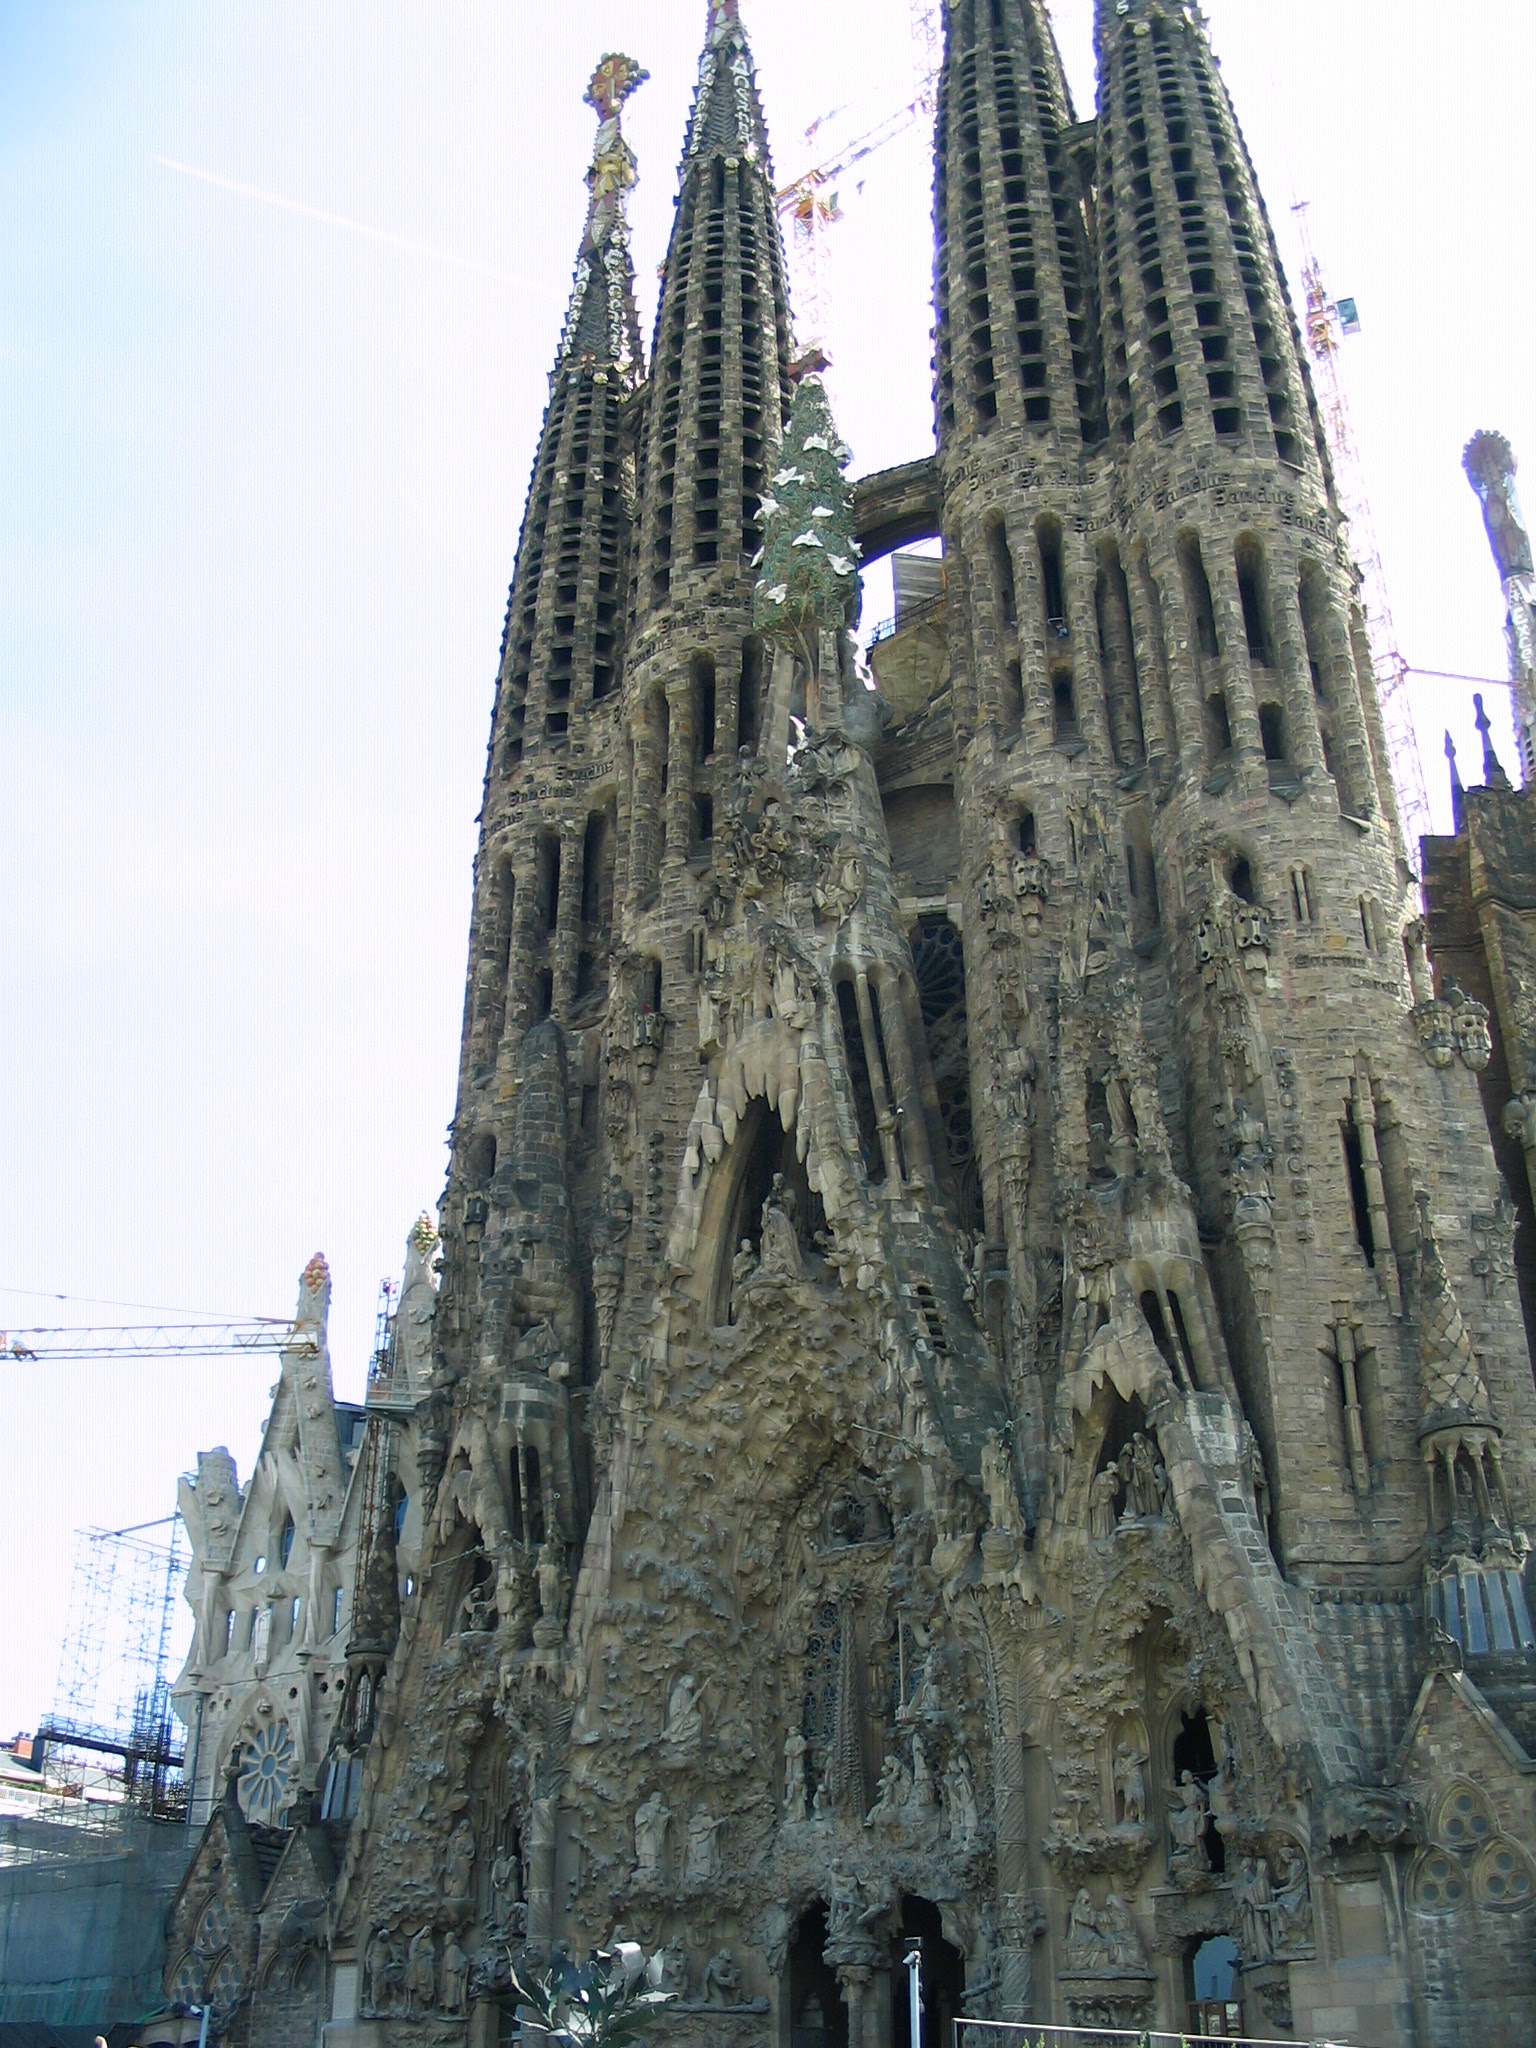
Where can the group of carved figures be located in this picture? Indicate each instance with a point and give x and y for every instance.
(1131, 1488)
(405, 1976)
(701, 1842)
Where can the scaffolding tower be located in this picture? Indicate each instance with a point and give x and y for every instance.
(113, 1697)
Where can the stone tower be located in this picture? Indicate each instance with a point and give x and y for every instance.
(976, 1396)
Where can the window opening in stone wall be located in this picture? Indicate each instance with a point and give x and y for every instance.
(1013, 695)
(1117, 649)
(747, 701)
(338, 1609)
(527, 1497)
(1001, 558)
(661, 712)
(1181, 1332)
(1240, 880)
(1157, 1323)
(651, 987)
(1218, 728)
(703, 707)
(1028, 841)
(285, 1541)
(1359, 1196)
(1272, 732)
(1197, 593)
(597, 871)
(1063, 706)
(1052, 583)
(591, 982)
(1249, 558)
(482, 1161)
(543, 994)
(703, 822)
(1302, 897)
(1195, 1752)
(549, 883)
(860, 1082)
(295, 1609)
(939, 958)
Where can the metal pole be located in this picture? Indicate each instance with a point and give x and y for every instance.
(914, 1967)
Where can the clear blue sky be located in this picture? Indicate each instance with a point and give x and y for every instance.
(262, 480)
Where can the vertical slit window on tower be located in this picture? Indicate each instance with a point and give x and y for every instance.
(1251, 586)
(1052, 583)
(549, 883)
(1359, 1197)
(746, 703)
(1063, 706)
(703, 707)
(1272, 732)
(1197, 593)
(859, 1081)
(1002, 573)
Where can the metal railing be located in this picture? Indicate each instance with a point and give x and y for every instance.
(1017, 2034)
(910, 615)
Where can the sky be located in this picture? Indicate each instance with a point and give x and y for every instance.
(279, 294)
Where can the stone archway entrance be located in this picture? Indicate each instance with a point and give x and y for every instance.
(943, 1978)
(818, 2018)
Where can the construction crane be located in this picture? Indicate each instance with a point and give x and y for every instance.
(1328, 322)
(811, 205)
(154, 1340)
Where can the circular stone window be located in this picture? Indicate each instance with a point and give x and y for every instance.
(1437, 1884)
(268, 1770)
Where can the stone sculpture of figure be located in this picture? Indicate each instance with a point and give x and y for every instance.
(894, 1791)
(1188, 1812)
(549, 1576)
(477, 1611)
(997, 1479)
(1086, 1949)
(685, 1720)
(1490, 464)
(651, 1818)
(743, 1266)
(1255, 1910)
(421, 1971)
(455, 1975)
(702, 1855)
(1122, 1944)
(459, 1862)
(924, 1799)
(1131, 1784)
(505, 1878)
(376, 1975)
(1293, 1900)
(960, 1795)
(797, 1790)
(675, 1973)
(1104, 1503)
(1139, 1469)
(781, 1230)
(928, 1699)
(721, 1981)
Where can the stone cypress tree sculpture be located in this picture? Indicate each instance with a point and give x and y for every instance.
(808, 573)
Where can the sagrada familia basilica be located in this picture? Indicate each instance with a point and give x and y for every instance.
(971, 1386)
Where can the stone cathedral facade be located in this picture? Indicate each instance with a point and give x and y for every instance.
(976, 1391)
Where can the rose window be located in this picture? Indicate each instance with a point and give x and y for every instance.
(225, 1985)
(1501, 1876)
(213, 1929)
(268, 1770)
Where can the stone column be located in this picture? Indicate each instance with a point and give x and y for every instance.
(567, 939)
(1296, 670)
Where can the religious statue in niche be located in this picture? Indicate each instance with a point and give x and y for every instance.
(1130, 1783)
(781, 1231)
(684, 1729)
(1188, 1812)
(797, 1790)
(652, 1817)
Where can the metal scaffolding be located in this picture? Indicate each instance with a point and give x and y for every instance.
(113, 1697)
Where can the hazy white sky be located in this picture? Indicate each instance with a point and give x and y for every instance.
(263, 474)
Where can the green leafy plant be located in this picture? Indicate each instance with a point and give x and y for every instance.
(808, 574)
(602, 2005)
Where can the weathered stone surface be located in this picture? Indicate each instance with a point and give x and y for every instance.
(974, 1391)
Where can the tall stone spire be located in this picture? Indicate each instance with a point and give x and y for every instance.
(562, 645)
(603, 325)
(1013, 274)
(720, 375)
(1190, 277)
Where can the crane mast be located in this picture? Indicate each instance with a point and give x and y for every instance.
(1325, 333)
